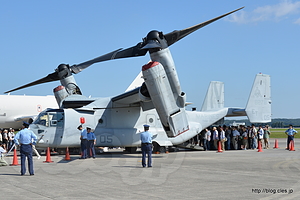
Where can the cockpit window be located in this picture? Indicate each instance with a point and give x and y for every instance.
(50, 119)
(42, 119)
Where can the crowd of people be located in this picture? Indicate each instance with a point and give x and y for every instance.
(6, 143)
(233, 137)
(7, 138)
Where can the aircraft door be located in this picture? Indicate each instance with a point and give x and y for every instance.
(56, 120)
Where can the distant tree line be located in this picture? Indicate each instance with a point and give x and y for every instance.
(275, 123)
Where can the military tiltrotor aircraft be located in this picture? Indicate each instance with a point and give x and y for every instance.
(158, 102)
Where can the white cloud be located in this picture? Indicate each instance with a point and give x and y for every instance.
(277, 12)
(297, 21)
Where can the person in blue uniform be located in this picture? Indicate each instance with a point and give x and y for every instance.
(91, 141)
(26, 138)
(146, 139)
(290, 133)
(83, 142)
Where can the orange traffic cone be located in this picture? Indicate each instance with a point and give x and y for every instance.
(259, 147)
(48, 157)
(292, 145)
(219, 147)
(67, 156)
(276, 144)
(15, 159)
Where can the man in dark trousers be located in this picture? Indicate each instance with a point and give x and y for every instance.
(290, 133)
(26, 138)
(83, 142)
(146, 139)
(91, 142)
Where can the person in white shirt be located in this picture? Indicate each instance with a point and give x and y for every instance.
(222, 137)
(11, 136)
(252, 135)
(206, 139)
(235, 137)
(260, 135)
(215, 138)
(2, 161)
(245, 138)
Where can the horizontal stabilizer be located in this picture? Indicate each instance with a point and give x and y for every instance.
(214, 97)
(258, 108)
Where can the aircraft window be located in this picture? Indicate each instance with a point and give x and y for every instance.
(56, 119)
(43, 122)
(40, 131)
(42, 119)
(53, 123)
(151, 120)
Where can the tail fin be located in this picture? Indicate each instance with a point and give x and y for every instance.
(258, 108)
(137, 82)
(214, 97)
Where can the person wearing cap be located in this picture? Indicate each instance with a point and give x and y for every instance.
(25, 138)
(146, 139)
(290, 133)
(83, 142)
(91, 141)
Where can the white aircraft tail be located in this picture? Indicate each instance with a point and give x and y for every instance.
(214, 97)
(258, 108)
(137, 82)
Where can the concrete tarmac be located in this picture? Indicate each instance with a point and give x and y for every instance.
(235, 174)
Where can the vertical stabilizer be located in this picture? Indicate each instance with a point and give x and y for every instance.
(214, 97)
(137, 82)
(259, 104)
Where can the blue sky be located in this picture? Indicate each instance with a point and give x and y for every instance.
(36, 36)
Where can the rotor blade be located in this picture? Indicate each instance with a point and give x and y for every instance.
(137, 49)
(134, 51)
(177, 35)
(78, 68)
(49, 78)
(130, 52)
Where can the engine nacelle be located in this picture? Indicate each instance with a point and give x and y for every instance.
(165, 58)
(70, 85)
(171, 115)
(60, 94)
